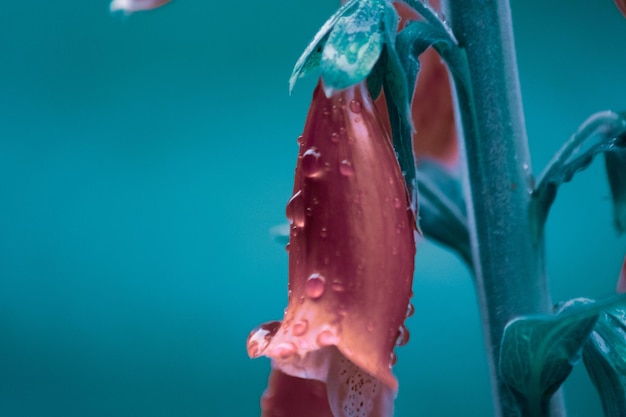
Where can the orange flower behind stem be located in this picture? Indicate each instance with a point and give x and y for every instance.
(621, 5)
(351, 253)
(432, 106)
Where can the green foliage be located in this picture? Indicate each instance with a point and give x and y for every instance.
(442, 209)
(538, 352)
(604, 356)
(616, 172)
(603, 132)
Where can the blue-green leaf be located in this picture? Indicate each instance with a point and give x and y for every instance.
(311, 57)
(353, 46)
(442, 209)
(604, 356)
(538, 352)
(602, 132)
(615, 162)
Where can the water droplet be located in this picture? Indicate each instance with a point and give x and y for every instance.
(309, 211)
(390, 181)
(326, 338)
(334, 137)
(525, 166)
(397, 203)
(323, 232)
(260, 337)
(295, 210)
(357, 119)
(394, 250)
(311, 162)
(301, 299)
(342, 310)
(300, 140)
(287, 247)
(355, 106)
(253, 349)
(337, 286)
(410, 310)
(314, 287)
(294, 231)
(392, 359)
(283, 350)
(345, 167)
(300, 327)
(326, 260)
(403, 336)
(370, 326)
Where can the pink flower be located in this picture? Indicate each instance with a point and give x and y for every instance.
(351, 253)
(621, 5)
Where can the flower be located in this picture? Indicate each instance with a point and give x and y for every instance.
(351, 253)
(432, 110)
(621, 5)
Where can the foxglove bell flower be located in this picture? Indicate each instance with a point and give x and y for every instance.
(351, 258)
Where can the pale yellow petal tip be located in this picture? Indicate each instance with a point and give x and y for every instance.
(130, 6)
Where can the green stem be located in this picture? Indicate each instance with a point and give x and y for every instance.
(508, 262)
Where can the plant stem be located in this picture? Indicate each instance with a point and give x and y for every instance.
(508, 262)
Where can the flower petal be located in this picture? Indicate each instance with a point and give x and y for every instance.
(351, 256)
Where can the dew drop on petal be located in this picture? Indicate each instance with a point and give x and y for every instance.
(337, 286)
(355, 106)
(315, 285)
(410, 310)
(260, 337)
(334, 137)
(397, 203)
(300, 327)
(311, 165)
(283, 350)
(295, 210)
(403, 336)
(392, 359)
(326, 338)
(345, 168)
(323, 232)
(300, 140)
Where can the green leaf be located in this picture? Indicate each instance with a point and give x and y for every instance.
(538, 352)
(311, 57)
(604, 356)
(602, 132)
(431, 16)
(442, 209)
(615, 162)
(353, 46)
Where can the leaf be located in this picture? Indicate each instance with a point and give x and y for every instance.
(399, 83)
(604, 356)
(602, 132)
(353, 46)
(442, 209)
(311, 57)
(615, 162)
(538, 352)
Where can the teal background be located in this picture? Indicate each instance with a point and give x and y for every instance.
(143, 160)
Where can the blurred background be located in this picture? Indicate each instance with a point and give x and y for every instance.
(143, 160)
